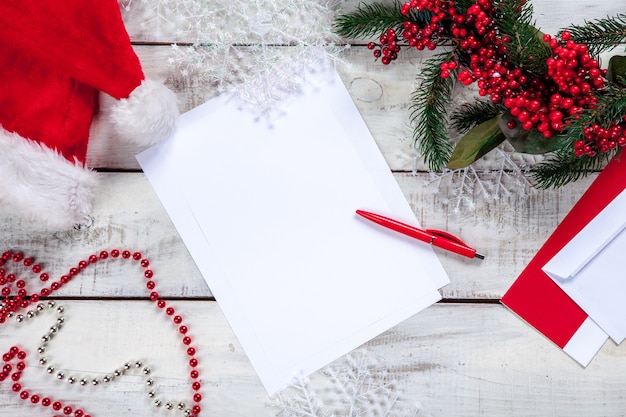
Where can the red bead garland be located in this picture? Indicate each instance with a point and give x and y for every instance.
(14, 302)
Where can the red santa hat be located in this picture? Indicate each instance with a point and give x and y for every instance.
(56, 57)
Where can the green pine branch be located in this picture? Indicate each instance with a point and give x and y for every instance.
(600, 35)
(371, 20)
(472, 114)
(563, 166)
(429, 113)
(526, 49)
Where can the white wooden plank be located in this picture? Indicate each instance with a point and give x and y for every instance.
(128, 214)
(455, 359)
(144, 25)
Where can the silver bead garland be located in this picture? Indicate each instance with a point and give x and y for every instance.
(87, 380)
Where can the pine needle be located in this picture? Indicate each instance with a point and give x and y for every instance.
(429, 113)
(472, 114)
(600, 35)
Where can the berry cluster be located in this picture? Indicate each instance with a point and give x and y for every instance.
(599, 139)
(548, 102)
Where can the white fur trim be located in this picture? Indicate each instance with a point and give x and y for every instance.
(40, 184)
(148, 115)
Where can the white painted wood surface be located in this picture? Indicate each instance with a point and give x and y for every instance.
(466, 356)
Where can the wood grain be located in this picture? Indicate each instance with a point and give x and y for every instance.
(466, 356)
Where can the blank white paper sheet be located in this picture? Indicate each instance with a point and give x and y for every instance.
(268, 215)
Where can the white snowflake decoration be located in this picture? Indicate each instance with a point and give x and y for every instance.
(355, 386)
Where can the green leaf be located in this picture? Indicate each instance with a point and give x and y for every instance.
(616, 72)
(528, 141)
(476, 143)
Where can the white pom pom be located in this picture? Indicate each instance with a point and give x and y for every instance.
(148, 115)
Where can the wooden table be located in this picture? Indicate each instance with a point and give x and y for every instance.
(465, 356)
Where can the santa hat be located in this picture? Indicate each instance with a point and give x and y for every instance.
(56, 56)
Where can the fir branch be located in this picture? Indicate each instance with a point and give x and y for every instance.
(429, 113)
(472, 114)
(371, 20)
(564, 167)
(526, 49)
(600, 35)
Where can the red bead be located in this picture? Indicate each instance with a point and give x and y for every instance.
(137, 256)
(93, 259)
(196, 386)
(75, 271)
(191, 351)
(104, 254)
(170, 311)
(34, 298)
(196, 409)
(28, 262)
(44, 277)
(56, 285)
(154, 296)
(34, 398)
(20, 366)
(197, 397)
(16, 376)
(17, 257)
(57, 405)
(115, 253)
(79, 413)
(187, 340)
(44, 292)
(21, 355)
(16, 387)
(194, 374)
(193, 362)
(67, 410)
(145, 263)
(161, 303)
(20, 283)
(150, 285)
(178, 319)
(148, 273)
(126, 254)
(65, 279)
(83, 264)
(24, 395)
(183, 329)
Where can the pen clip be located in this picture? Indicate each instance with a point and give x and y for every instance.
(448, 236)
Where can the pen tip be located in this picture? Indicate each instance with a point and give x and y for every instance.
(479, 256)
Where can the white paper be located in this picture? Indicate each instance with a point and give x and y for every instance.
(268, 214)
(590, 269)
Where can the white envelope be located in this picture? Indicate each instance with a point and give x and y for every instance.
(591, 268)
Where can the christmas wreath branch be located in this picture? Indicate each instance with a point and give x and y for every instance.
(548, 94)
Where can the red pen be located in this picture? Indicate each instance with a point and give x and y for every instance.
(436, 238)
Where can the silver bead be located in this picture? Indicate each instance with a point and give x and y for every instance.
(138, 364)
(40, 307)
(41, 349)
(11, 314)
(117, 372)
(61, 309)
(149, 381)
(30, 314)
(51, 303)
(60, 375)
(106, 378)
(53, 330)
(127, 366)
(19, 318)
(83, 382)
(157, 403)
(169, 406)
(50, 369)
(187, 413)
(95, 381)
(151, 393)
(60, 321)
(146, 371)
(43, 361)
(71, 380)
(45, 338)
(181, 406)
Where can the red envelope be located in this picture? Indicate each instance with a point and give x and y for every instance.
(538, 299)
